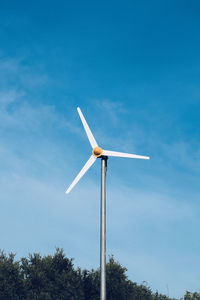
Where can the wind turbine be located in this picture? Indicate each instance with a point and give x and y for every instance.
(98, 152)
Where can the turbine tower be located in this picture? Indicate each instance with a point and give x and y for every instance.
(98, 152)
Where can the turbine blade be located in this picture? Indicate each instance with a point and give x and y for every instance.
(88, 164)
(87, 129)
(121, 154)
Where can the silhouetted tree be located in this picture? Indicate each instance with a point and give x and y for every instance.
(51, 277)
(192, 296)
(91, 284)
(11, 279)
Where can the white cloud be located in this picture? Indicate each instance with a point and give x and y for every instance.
(9, 66)
(184, 154)
(15, 73)
(8, 97)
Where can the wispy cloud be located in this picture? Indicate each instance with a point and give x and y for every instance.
(15, 72)
(6, 98)
(112, 109)
(18, 108)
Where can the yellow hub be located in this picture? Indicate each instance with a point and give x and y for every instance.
(97, 151)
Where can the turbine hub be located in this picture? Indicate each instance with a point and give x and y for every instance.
(97, 151)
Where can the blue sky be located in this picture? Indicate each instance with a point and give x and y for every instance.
(134, 69)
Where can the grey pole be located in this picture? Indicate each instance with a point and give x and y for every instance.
(103, 228)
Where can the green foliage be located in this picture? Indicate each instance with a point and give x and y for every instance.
(51, 277)
(192, 296)
(55, 278)
(157, 296)
(91, 284)
(11, 279)
(117, 283)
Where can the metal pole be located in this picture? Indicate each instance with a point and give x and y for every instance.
(103, 229)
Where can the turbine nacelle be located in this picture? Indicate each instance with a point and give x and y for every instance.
(97, 152)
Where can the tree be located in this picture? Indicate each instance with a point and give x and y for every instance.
(192, 296)
(118, 285)
(11, 280)
(91, 284)
(51, 277)
(158, 296)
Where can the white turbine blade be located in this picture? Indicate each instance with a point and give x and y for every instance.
(88, 164)
(121, 154)
(87, 129)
